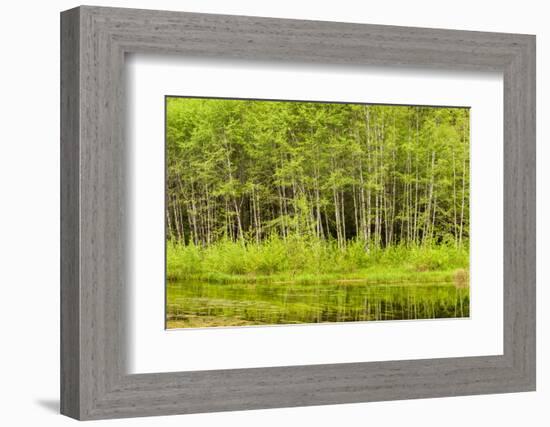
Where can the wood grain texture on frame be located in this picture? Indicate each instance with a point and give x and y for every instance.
(94, 233)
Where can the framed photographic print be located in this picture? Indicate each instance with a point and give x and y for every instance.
(284, 212)
(262, 213)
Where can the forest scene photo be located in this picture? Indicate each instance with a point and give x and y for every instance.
(287, 212)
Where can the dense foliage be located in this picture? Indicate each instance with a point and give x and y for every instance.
(370, 176)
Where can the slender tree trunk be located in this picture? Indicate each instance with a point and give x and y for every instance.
(318, 211)
(369, 171)
(343, 221)
(355, 212)
(455, 220)
(337, 216)
(179, 226)
(229, 223)
(393, 201)
(259, 209)
(240, 233)
(194, 215)
(433, 216)
(255, 216)
(327, 225)
(408, 193)
(282, 210)
(463, 190)
(429, 202)
(416, 181)
(363, 206)
(296, 208)
(168, 222)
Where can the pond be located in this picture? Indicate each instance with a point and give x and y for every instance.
(193, 304)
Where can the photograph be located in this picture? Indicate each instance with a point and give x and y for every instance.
(289, 212)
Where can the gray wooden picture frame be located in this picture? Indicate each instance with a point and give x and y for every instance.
(94, 381)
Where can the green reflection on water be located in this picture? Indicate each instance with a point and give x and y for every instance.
(192, 304)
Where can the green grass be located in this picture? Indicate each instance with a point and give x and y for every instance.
(304, 260)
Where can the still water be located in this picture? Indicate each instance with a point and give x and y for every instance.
(192, 304)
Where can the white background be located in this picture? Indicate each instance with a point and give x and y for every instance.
(29, 215)
(152, 349)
